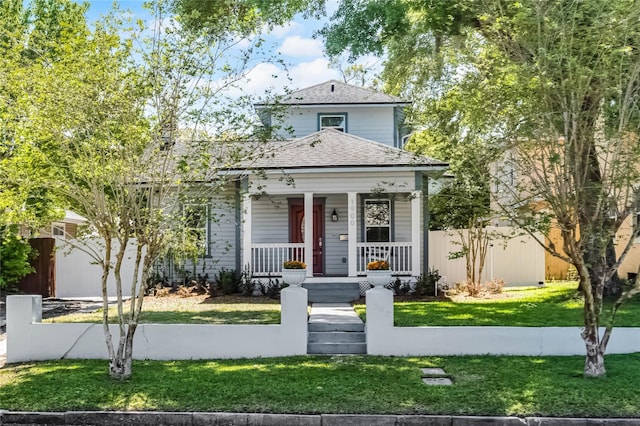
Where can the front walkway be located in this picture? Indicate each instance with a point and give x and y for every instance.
(325, 315)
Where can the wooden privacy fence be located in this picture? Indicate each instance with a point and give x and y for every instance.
(43, 280)
(518, 260)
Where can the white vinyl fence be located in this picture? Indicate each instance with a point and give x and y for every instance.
(517, 260)
(78, 275)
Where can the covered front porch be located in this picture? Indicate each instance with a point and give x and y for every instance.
(335, 234)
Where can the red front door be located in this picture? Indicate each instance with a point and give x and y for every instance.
(296, 231)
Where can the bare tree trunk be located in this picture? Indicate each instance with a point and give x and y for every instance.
(594, 361)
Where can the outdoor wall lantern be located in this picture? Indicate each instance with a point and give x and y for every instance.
(334, 216)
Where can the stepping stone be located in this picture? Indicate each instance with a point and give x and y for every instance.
(433, 372)
(437, 381)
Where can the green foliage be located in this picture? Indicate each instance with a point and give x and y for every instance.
(15, 253)
(227, 281)
(219, 17)
(427, 283)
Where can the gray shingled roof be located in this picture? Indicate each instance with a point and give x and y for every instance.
(336, 92)
(330, 148)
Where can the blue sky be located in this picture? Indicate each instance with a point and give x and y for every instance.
(303, 54)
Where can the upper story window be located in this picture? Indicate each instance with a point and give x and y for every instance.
(377, 220)
(333, 121)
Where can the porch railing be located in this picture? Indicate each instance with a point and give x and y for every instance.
(267, 259)
(397, 254)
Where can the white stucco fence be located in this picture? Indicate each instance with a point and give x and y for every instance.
(385, 339)
(28, 339)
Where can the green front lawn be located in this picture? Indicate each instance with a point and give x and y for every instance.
(556, 304)
(194, 310)
(549, 386)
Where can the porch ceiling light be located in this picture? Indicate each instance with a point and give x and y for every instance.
(334, 216)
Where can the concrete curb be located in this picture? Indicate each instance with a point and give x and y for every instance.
(156, 418)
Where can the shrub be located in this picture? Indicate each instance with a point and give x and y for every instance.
(227, 282)
(399, 287)
(426, 283)
(247, 284)
(15, 254)
(272, 288)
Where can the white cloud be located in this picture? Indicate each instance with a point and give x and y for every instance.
(266, 76)
(298, 46)
(282, 30)
(309, 73)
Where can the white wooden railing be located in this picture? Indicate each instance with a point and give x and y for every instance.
(267, 259)
(397, 254)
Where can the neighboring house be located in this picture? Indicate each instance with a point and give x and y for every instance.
(341, 193)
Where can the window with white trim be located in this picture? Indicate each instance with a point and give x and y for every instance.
(196, 218)
(377, 220)
(57, 229)
(333, 121)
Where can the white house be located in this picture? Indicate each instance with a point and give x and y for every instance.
(340, 193)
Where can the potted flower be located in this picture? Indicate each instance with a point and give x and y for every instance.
(294, 272)
(378, 272)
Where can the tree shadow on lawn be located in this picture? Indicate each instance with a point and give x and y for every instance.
(363, 384)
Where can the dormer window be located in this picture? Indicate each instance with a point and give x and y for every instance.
(333, 121)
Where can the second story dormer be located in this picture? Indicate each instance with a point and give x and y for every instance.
(351, 109)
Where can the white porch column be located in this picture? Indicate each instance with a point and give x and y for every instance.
(246, 231)
(308, 232)
(416, 232)
(352, 230)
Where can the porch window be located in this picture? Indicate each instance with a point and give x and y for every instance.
(377, 220)
(196, 219)
(333, 121)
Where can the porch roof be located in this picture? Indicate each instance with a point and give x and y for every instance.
(330, 148)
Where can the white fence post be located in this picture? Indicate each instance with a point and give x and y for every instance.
(22, 311)
(294, 317)
(379, 302)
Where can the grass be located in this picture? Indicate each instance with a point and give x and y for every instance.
(549, 386)
(194, 310)
(556, 304)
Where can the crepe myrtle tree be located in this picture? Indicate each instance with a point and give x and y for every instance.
(132, 135)
(546, 73)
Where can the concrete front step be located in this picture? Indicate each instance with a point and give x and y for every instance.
(337, 348)
(329, 327)
(337, 337)
(332, 292)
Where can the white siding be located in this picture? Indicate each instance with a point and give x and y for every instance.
(222, 237)
(402, 219)
(370, 122)
(270, 220)
(335, 183)
(336, 251)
